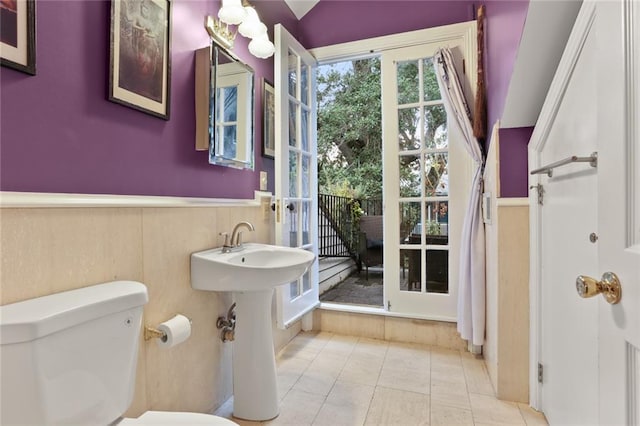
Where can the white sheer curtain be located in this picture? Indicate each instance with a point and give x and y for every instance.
(471, 287)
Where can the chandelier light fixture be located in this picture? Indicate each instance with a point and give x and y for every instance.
(242, 14)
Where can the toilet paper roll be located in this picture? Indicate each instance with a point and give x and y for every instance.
(176, 330)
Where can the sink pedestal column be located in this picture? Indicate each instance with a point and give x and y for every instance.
(255, 393)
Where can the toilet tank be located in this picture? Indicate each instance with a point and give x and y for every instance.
(70, 357)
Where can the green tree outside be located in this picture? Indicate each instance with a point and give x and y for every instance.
(350, 129)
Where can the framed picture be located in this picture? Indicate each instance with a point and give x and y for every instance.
(269, 120)
(18, 35)
(140, 65)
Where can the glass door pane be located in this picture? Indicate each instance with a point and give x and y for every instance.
(423, 168)
(420, 158)
(295, 159)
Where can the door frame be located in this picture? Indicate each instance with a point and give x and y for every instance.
(548, 114)
(619, 248)
(375, 45)
(465, 31)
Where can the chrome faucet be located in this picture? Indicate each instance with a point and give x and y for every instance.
(235, 242)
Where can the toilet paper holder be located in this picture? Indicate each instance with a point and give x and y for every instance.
(154, 333)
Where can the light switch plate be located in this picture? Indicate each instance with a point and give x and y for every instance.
(263, 181)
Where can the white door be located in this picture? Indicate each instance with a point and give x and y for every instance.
(590, 225)
(569, 328)
(427, 175)
(296, 192)
(619, 209)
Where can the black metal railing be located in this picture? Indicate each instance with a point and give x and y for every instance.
(337, 236)
(338, 223)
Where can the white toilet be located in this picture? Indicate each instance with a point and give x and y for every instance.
(70, 358)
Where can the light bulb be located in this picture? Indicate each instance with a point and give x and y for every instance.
(261, 47)
(251, 26)
(232, 12)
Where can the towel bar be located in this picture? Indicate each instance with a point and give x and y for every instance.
(548, 169)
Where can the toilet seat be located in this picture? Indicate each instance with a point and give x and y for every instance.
(159, 418)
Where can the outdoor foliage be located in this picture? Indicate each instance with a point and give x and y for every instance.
(350, 129)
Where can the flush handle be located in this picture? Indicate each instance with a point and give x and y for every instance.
(609, 286)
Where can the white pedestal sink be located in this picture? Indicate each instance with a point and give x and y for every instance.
(251, 274)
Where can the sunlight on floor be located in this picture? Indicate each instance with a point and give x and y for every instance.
(330, 379)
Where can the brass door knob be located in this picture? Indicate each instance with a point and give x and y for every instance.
(609, 286)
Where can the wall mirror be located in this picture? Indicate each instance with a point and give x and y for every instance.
(225, 97)
(231, 112)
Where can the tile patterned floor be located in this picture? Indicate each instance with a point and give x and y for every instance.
(330, 379)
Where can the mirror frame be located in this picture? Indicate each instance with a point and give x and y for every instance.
(245, 89)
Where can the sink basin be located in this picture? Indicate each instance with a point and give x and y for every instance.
(256, 267)
(251, 274)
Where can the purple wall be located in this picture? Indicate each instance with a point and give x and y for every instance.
(60, 134)
(504, 25)
(514, 161)
(332, 22)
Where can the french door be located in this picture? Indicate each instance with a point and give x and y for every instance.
(296, 190)
(427, 171)
(427, 177)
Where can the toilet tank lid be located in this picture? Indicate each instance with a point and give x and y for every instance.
(35, 318)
